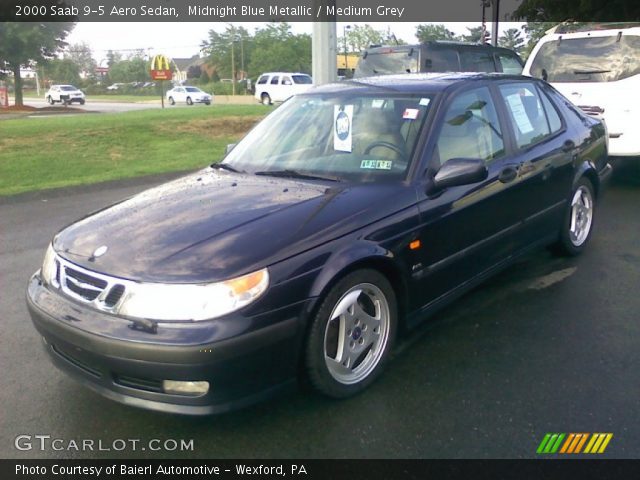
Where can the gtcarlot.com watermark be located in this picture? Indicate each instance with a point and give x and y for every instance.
(44, 443)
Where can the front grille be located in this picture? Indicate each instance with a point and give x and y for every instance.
(87, 286)
(146, 384)
(72, 359)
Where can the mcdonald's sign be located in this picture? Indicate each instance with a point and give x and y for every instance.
(160, 68)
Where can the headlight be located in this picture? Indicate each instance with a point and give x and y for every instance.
(49, 267)
(193, 302)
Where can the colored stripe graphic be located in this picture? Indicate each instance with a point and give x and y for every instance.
(574, 443)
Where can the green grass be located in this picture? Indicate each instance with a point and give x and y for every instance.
(39, 153)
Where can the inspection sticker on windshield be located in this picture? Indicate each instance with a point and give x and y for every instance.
(410, 113)
(425, 102)
(342, 138)
(376, 164)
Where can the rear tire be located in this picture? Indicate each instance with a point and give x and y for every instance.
(577, 223)
(352, 334)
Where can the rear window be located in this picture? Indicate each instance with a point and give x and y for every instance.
(302, 79)
(472, 61)
(441, 60)
(509, 64)
(388, 62)
(589, 59)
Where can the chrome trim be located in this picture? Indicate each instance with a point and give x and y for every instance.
(99, 301)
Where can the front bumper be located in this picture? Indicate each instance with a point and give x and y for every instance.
(604, 175)
(241, 369)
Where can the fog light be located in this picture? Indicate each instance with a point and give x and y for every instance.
(185, 388)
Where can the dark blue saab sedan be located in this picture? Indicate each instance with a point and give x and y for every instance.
(347, 215)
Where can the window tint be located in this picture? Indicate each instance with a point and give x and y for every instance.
(555, 123)
(476, 61)
(441, 60)
(509, 64)
(302, 79)
(274, 80)
(470, 130)
(527, 115)
(286, 81)
(588, 59)
(263, 79)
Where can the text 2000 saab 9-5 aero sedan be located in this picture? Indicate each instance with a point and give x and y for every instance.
(350, 212)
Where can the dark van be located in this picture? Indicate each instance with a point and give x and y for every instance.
(437, 56)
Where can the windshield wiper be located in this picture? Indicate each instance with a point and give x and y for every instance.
(296, 174)
(226, 166)
(587, 72)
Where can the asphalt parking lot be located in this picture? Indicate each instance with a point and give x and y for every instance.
(549, 345)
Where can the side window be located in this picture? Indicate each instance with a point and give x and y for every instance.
(526, 112)
(441, 60)
(555, 124)
(286, 81)
(263, 79)
(476, 61)
(509, 64)
(471, 129)
(274, 80)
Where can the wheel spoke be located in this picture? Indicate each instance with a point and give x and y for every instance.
(346, 302)
(368, 320)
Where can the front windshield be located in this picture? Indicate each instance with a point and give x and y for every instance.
(354, 138)
(193, 89)
(588, 59)
(68, 88)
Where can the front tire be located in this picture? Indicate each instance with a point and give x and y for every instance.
(171, 101)
(50, 100)
(352, 334)
(577, 224)
(189, 101)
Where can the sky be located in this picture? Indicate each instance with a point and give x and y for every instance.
(182, 40)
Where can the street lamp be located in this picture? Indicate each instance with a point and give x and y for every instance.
(344, 36)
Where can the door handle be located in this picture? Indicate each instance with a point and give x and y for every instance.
(508, 174)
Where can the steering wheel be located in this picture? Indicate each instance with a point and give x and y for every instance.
(388, 145)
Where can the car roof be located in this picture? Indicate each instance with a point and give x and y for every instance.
(413, 82)
(439, 44)
(285, 73)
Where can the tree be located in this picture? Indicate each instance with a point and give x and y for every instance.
(135, 69)
(512, 39)
(429, 32)
(535, 31)
(22, 44)
(63, 71)
(113, 58)
(360, 37)
(82, 56)
(578, 10)
(204, 76)
(234, 43)
(475, 35)
(280, 50)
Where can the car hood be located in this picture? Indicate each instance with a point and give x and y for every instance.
(214, 225)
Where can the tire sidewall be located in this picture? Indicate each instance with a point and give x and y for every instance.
(317, 373)
(565, 243)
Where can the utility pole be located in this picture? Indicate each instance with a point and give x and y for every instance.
(496, 22)
(344, 36)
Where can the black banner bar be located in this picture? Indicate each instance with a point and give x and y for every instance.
(296, 11)
(321, 469)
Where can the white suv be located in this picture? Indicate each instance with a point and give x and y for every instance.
(64, 94)
(278, 86)
(599, 71)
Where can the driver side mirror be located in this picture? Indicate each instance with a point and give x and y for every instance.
(459, 171)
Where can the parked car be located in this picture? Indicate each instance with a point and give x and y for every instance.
(66, 94)
(350, 212)
(598, 68)
(437, 56)
(279, 86)
(188, 95)
(116, 86)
